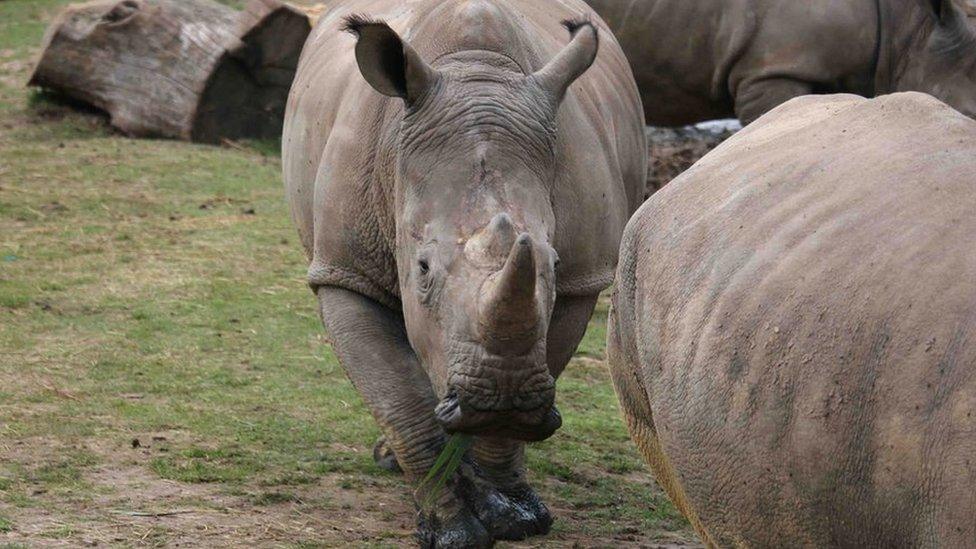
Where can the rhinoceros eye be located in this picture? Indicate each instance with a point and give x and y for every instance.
(425, 282)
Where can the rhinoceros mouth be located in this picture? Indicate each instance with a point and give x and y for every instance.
(503, 396)
(529, 426)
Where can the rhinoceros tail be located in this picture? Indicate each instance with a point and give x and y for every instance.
(355, 22)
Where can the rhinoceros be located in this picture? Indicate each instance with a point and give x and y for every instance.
(705, 59)
(460, 187)
(793, 330)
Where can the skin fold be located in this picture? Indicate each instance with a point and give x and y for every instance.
(460, 173)
(711, 59)
(793, 329)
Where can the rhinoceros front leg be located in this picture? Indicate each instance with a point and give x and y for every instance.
(756, 97)
(517, 511)
(371, 343)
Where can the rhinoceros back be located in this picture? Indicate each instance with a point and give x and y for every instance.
(797, 317)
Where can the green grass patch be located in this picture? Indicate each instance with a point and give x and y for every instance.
(15, 294)
(199, 465)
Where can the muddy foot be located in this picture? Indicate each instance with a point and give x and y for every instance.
(478, 513)
(512, 516)
(525, 498)
(450, 523)
(462, 530)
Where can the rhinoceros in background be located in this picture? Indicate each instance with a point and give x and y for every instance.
(706, 59)
(793, 331)
(460, 188)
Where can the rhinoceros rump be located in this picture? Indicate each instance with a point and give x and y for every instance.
(793, 335)
(704, 59)
(460, 187)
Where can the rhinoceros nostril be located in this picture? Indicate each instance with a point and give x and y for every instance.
(552, 421)
(121, 11)
(448, 411)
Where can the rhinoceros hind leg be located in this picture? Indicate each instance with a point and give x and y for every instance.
(384, 456)
(570, 318)
(755, 98)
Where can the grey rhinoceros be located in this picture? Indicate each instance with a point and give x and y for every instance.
(793, 330)
(696, 60)
(460, 187)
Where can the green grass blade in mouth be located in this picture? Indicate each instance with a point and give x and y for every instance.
(445, 466)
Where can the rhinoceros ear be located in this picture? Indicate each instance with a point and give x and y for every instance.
(572, 61)
(388, 63)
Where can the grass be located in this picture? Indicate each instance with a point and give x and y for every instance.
(159, 351)
(444, 467)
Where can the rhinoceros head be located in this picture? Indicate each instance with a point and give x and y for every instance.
(475, 167)
(941, 57)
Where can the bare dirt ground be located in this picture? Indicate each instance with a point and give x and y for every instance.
(129, 505)
(119, 501)
(671, 151)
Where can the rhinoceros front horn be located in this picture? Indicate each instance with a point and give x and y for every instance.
(508, 310)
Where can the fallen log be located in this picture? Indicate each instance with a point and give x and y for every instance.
(186, 69)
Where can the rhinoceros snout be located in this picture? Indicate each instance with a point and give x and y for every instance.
(502, 396)
(457, 416)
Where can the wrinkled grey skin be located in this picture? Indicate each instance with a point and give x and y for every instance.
(460, 180)
(793, 330)
(707, 59)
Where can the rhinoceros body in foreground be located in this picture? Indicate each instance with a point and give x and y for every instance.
(793, 335)
(697, 60)
(460, 187)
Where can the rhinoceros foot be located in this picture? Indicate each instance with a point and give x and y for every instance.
(476, 513)
(510, 514)
(384, 457)
(452, 526)
(524, 497)
(460, 532)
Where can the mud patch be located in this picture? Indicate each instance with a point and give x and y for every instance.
(671, 151)
(121, 501)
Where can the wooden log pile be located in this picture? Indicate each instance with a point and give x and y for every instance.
(186, 69)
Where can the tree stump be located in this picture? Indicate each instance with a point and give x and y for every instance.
(185, 69)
